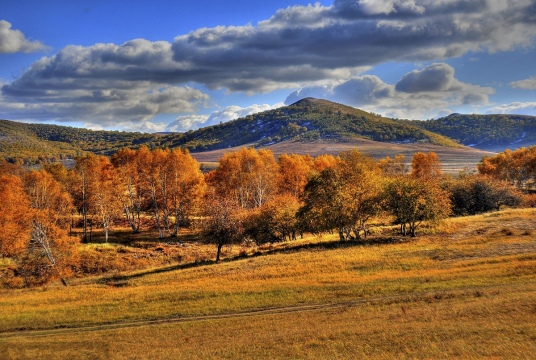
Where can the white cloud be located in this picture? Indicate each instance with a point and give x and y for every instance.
(517, 108)
(12, 41)
(187, 122)
(316, 47)
(417, 94)
(529, 84)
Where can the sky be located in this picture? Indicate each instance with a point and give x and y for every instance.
(160, 66)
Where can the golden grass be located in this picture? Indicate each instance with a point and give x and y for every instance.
(461, 253)
(492, 323)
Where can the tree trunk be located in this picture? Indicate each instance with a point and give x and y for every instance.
(218, 254)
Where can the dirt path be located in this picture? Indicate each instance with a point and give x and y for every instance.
(262, 312)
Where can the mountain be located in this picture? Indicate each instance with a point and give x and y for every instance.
(306, 120)
(483, 131)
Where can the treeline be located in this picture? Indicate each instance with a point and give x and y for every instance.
(251, 196)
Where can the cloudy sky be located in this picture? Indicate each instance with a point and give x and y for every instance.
(180, 65)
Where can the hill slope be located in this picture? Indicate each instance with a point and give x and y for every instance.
(35, 143)
(306, 120)
(483, 131)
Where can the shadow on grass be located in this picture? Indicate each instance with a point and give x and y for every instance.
(121, 280)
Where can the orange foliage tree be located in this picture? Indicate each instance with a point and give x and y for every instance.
(15, 216)
(247, 176)
(517, 167)
(426, 166)
(293, 171)
(129, 164)
(51, 253)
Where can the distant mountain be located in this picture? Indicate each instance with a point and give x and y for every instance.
(482, 131)
(306, 120)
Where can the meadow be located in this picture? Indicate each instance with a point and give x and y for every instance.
(463, 288)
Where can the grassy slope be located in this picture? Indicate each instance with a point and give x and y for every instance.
(475, 251)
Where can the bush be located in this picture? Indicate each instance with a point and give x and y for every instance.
(476, 194)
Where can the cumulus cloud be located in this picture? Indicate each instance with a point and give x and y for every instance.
(12, 41)
(298, 47)
(187, 122)
(414, 96)
(529, 84)
(517, 108)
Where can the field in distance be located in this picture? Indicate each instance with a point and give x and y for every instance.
(453, 159)
(464, 288)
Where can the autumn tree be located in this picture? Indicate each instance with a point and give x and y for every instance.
(222, 223)
(275, 220)
(105, 198)
(15, 216)
(516, 167)
(187, 185)
(82, 181)
(292, 175)
(129, 166)
(247, 176)
(343, 197)
(324, 161)
(426, 166)
(394, 167)
(50, 251)
(412, 201)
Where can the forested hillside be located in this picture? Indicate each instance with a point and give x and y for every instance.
(38, 143)
(481, 130)
(306, 120)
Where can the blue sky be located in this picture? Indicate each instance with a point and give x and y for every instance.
(177, 65)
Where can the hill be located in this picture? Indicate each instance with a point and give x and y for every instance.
(306, 120)
(36, 143)
(489, 132)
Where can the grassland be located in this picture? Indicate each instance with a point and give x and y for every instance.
(464, 289)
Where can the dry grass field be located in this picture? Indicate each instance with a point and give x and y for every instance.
(464, 288)
(453, 159)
